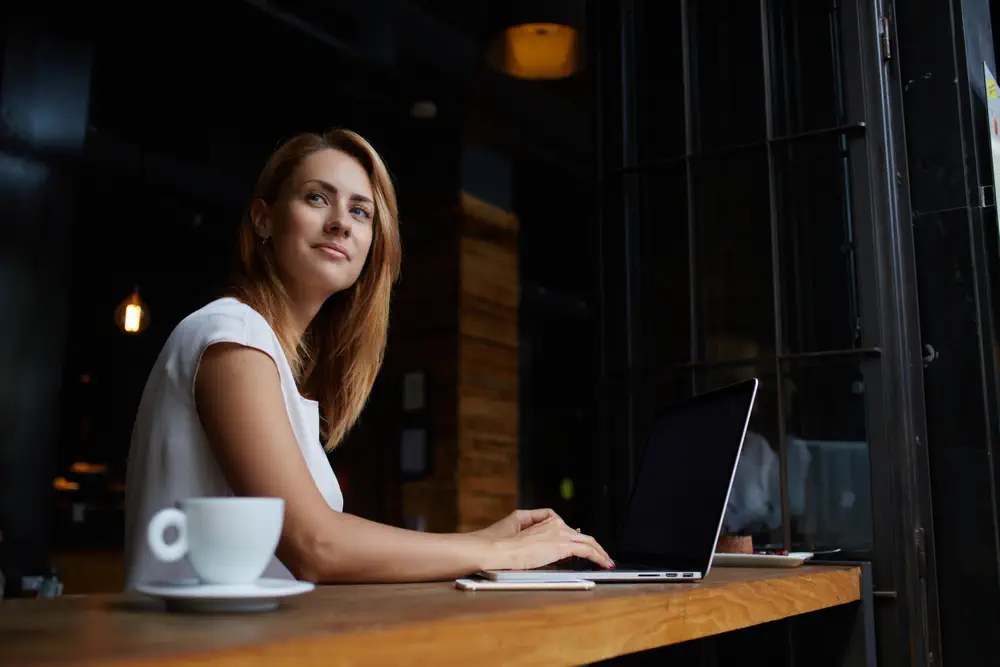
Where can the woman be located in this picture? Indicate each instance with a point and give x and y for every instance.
(233, 403)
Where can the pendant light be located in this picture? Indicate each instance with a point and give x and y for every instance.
(132, 314)
(536, 39)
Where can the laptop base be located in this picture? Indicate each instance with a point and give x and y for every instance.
(616, 575)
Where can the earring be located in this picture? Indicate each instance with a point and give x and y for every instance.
(264, 240)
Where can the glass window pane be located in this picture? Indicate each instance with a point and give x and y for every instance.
(556, 415)
(754, 507)
(733, 256)
(821, 308)
(728, 76)
(671, 386)
(666, 285)
(829, 482)
(660, 80)
(755, 499)
(806, 63)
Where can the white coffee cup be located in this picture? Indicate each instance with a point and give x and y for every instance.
(226, 540)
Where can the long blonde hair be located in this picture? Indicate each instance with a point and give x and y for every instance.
(339, 355)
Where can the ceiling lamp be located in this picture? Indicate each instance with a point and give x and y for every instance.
(132, 314)
(536, 39)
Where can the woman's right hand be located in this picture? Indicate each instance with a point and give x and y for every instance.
(545, 543)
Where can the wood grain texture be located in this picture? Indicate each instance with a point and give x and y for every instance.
(488, 363)
(480, 214)
(417, 624)
(423, 337)
(455, 317)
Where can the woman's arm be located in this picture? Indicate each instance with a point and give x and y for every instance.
(239, 401)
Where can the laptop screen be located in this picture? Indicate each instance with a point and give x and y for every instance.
(681, 491)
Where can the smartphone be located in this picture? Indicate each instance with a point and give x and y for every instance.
(484, 585)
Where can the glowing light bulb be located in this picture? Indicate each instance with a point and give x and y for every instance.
(132, 315)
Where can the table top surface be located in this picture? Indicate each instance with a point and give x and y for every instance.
(417, 623)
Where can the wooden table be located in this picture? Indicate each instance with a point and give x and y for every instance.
(425, 624)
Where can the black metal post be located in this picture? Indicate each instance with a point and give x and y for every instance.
(622, 376)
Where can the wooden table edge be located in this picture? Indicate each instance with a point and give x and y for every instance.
(569, 632)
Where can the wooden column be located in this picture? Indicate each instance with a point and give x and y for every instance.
(489, 293)
(455, 321)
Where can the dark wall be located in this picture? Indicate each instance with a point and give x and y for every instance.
(558, 331)
(43, 103)
(941, 48)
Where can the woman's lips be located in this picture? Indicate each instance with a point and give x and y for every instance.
(334, 251)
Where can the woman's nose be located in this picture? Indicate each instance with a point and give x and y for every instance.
(337, 223)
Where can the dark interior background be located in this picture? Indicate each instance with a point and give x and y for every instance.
(746, 192)
(175, 110)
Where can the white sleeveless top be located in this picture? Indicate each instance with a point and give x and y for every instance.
(170, 458)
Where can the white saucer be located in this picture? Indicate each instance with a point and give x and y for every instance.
(194, 596)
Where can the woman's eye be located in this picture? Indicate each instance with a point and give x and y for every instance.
(360, 211)
(315, 198)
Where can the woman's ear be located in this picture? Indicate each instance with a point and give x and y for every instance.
(260, 218)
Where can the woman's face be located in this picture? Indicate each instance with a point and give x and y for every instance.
(322, 224)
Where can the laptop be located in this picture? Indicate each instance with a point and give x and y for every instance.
(679, 498)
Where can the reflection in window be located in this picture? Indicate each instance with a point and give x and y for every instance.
(826, 419)
(754, 506)
(812, 413)
(829, 485)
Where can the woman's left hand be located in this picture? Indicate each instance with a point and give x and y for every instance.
(515, 522)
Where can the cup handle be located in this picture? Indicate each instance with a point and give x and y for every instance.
(162, 520)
